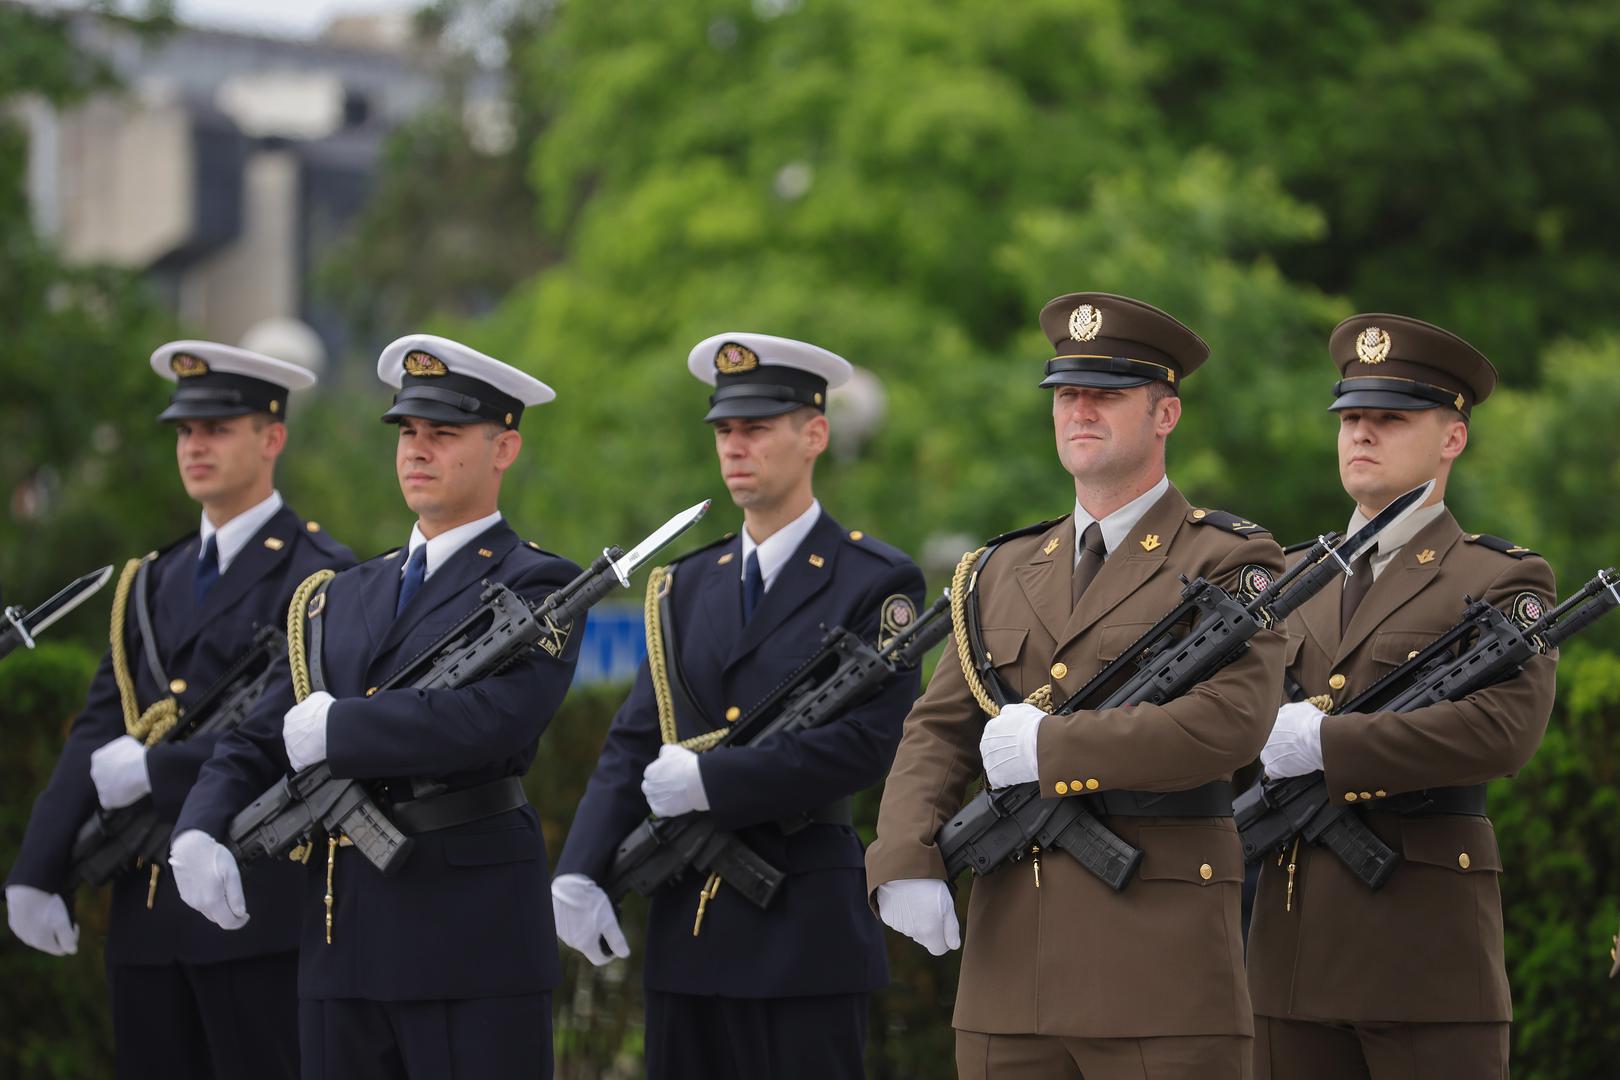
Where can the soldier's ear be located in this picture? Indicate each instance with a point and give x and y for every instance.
(507, 445)
(275, 438)
(1167, 414)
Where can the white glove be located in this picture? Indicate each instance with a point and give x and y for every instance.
(585, 919)
(673, 783)
(208, 880)
(923, 910)
(1008, 746)
(40, 920)
(303, 729)
(1295, 745)
(119, 772)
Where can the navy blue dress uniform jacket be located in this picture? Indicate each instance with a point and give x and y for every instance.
(194, 644)
(469, 914)
(818, 936)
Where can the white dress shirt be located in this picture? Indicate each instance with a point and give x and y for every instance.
(1117, 527)
(781, 544)
(446, 544)
(231, 537)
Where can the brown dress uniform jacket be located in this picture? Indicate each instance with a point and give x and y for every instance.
(1427, 947)
(1072, 957)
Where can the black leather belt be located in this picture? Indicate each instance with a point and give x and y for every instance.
(458, 807)
(1431, 801)
(1213, 799)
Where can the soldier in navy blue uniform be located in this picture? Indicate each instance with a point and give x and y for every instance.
(188, 1000)
(733, 990)
(446, 968)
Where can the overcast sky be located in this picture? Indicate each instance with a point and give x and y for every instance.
(282, 18)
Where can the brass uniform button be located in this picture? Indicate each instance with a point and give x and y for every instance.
(312, 526)
(370, 690)
(1463, 860)
(856, 534)
(177, 686)
(1092, 785)
(1349, 796)
(1061, 788)
(732, 714)
(1381, 793)
(1199, 515)
(1366, 794)
(1076, 785)
(1206, 871)
(1059, 670)
(1336, 682)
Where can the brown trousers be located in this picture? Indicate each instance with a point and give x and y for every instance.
(1305, 1050)
(1045, 1057)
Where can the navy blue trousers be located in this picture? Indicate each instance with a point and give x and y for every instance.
(237, 1018)
(717, 1038)
(471, 1039)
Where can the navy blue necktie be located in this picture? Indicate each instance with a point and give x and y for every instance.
(415, 574)
(753, 585)
(207, 571)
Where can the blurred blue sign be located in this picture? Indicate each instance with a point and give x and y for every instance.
(615, 643)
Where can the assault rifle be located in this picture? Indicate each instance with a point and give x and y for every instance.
(500, 631)
(1001, 825)
(845, 672)
(114, 842)
(1484, 648)
(18, 627)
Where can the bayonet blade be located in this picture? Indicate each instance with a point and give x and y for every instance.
(65, 600)
(1398, 508)
(628, 563)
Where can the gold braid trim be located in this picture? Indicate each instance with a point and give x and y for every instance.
(151, 725)
(658, 584)
(297, 651)
(962, 583)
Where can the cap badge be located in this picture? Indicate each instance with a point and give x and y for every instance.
(1372, 345)
(1085, 322)
(423, 364)
(734, 359)
(187, 366)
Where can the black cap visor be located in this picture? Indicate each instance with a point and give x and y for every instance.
(1100, 380)
(750, 407)
(1105, 372)
(1380, 399)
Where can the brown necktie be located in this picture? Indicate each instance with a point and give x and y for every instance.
(1092, 554)
(1355, 587)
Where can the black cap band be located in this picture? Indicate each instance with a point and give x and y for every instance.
(1117, 371)
(1387, 392)
(767, 390)
(221, 394)
(454, 399)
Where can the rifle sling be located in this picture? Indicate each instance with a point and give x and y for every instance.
(143, 619)
(672, 657)
(461, 807)
(314, 631)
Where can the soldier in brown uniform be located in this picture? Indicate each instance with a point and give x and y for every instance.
(1406, 982)
(1062, 976)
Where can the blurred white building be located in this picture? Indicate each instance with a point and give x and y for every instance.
(228, 163)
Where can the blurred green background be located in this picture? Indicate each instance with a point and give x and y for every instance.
(905, 184)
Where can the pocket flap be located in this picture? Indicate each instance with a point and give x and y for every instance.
(1005, 644)
(1396, 647)
(1461, 843)
(491, 847)
(1196, 854)
(1117, 637)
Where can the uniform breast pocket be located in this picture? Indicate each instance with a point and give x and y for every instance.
(1003, 646)
(1116, 639)
(1396, 646)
